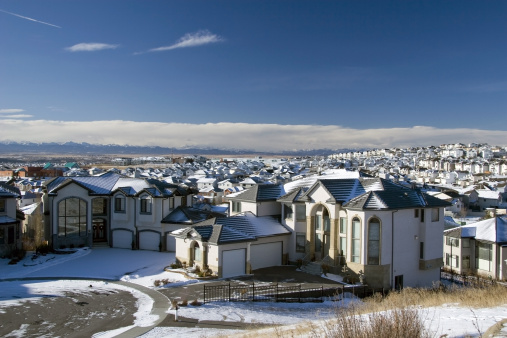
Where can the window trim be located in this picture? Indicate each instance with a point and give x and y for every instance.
(121, 208)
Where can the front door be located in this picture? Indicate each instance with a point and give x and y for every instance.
(99, 230)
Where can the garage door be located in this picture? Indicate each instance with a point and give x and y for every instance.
(265, 255)
(122, 239)
(149, 240)
(233, 262)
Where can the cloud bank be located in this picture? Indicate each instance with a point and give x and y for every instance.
(11, 111)
(239, 136)
(90, 47)
(202, 37)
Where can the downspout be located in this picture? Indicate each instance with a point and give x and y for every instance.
(392, 249)
(135, 225)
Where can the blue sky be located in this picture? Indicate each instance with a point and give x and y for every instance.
(245, 74)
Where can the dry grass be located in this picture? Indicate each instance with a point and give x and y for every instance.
(395, 316)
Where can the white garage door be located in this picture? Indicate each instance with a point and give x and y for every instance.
(149, 240)
(233, 263)
(122, 239)
(265, 255)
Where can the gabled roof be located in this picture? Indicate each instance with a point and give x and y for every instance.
(96, 185)
(238, 228)
(492, 230)
(259, 193)
(292, 196)
(8, 191)
(189, 215)
(373, 193)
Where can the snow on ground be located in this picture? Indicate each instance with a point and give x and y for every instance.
(144, 267)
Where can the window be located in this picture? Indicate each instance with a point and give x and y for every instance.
(421, 250)
(465, 242)
(2, 205)
(99, 206)
(119, 203)
(483, 256)
(145, 205)
(301, 212)
(236, 206)
(197, 253)
(318, 222)
(452, 241)
(300, 242)
(422, 215)
(288, 211)
(72, 217)
(374, 242)
(171, 203)
(435, 214)
(343, 246)
(356, 240)
(416, 213)
(343, 225)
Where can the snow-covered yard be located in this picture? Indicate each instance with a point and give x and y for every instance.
(145, 267)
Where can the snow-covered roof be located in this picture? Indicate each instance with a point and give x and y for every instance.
(493, 230)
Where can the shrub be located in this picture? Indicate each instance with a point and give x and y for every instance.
(195, 302)
(184, 302)
(43, 249)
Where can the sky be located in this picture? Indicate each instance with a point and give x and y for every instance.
(254, 75)
(450, 320)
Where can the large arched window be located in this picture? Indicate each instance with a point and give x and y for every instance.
(72, 217)
(374, 242)
(356, 240)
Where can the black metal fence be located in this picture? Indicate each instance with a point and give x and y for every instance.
(467, 280)
(277, 293)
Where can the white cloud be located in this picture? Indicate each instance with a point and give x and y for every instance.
(202, 37)
(258, 137)
(90, 47)
(16, 116)
(11, 111)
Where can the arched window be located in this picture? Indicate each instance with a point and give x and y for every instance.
(374, 242)
(356, 240)
(72, 217)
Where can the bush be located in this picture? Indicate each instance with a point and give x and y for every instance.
(43, 249)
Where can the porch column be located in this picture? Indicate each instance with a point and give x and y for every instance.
(310, 236)
(333, 247)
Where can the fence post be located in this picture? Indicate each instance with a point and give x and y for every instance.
(276, 293)
(204, 293)
(322, 292)
(253, 292)
(299, 294)
(229, 289)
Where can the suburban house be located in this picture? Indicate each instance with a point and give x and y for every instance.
(390, 233)
(235, 245)
(10, 219)
(110, 209)
(479, 248)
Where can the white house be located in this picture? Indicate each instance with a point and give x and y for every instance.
(10, 225)
(389, 232)
(478, 248)
(233, 246)
(120, 212)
